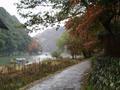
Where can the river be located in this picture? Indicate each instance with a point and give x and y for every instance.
(31, 58)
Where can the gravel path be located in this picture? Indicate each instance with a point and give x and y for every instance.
(69, 79)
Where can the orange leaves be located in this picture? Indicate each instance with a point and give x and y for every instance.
(69, 24)
(80, 27)
(33, 45)
(90, 16)
(74, 2)
(90, 45)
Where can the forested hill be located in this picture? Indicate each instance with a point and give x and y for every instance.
(13, 36)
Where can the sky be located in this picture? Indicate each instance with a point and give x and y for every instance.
(11, 8)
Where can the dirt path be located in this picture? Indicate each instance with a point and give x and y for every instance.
(69, 79)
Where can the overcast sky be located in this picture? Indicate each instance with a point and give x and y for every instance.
(11, 8)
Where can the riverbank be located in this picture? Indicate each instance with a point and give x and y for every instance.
(15, 79)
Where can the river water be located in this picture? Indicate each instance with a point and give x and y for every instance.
(30, 58)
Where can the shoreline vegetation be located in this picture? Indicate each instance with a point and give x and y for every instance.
(15, 77)
(105, 74)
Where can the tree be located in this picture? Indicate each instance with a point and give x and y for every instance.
(56, 54)
(34, 47)
(72, 44)
(88, 38)
(106, 11)
(62, 41)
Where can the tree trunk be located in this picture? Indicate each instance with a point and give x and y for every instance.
(111, 44)
(86, 53)
(72, 56)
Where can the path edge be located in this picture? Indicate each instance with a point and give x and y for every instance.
(47, 77)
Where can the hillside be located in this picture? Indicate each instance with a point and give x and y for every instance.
(48, 39)
(13, 36)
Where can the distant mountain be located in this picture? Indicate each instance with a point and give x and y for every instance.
(48, 39)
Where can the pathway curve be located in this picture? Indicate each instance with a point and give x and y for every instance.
(69, 79)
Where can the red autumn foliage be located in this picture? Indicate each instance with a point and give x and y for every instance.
(33, 46)
(74, 2)
(81, 26)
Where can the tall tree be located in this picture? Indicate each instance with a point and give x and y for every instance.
(73, 45)
(106, 11)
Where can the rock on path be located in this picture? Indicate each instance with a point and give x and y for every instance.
(69, 79)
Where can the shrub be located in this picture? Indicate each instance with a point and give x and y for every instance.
(106, 74)
(56, 54)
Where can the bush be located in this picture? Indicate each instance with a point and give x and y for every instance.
(56, 54)
(106, 74)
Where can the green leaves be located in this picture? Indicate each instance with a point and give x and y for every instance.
(56, 54)
(14, 38)
(106, 74)
(106, 2)
(85, 2)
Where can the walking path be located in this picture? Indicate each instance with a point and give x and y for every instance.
(69, 79)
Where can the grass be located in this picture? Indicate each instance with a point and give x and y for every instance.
(85, 80)
(15, 79)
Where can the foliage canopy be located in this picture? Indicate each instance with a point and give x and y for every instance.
(80, 15)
